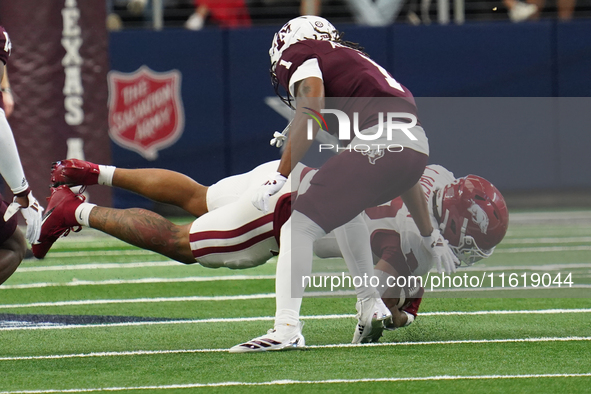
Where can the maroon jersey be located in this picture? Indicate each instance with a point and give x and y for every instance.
(5, 45)
(348, 73)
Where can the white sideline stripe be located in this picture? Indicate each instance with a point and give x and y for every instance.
(544, 249)
(475, 268)
(138, 252)
(271, 318)
(298, 382)
(98, 266)
(139, 300)
(147, 252)
(68, 267)
(506, 288)
(137, 281)
(541, 267)
(174, 263)
(547, 240)
(343, 293)
(330, 346)
(170, 299)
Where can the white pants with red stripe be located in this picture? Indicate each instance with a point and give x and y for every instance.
(234, 233)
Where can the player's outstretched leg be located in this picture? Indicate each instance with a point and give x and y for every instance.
(59, 219)
(160, 185)
(138, 227)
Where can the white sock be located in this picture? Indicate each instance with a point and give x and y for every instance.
(297, 240)
(83, 213)
(106, 175)
(354, 242)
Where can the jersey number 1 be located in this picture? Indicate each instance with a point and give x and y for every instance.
(391, 81)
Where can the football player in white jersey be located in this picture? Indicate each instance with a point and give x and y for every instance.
(228, 232)
(12, 242)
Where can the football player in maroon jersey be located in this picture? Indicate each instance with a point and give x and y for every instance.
(12, 241)
(471, 214)
(312, 63)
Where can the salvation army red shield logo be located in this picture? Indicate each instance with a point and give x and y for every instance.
(145, 110)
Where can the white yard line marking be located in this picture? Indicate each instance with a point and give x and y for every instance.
(342, 293)
(170, 299)
(97, 266)
(330, 346)
(520, 218)
(541, 267)
(476, 268)
(137, 281)
(138, 252)
(306, 382)
(139, 300)
(506, 288)
(544, 249)
(270, 318)
(547, 240)
(147, 252)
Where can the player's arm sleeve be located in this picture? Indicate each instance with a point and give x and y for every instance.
(309, 68)
(10, 163)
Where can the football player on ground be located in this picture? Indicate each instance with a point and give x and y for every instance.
(12, 241)
(470, 213)
(312, 63)
(233, 233)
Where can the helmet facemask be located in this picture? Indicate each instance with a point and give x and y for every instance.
(467, 250)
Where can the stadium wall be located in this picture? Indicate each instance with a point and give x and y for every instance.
(506, 101)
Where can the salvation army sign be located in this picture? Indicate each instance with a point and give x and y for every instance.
(145, 110)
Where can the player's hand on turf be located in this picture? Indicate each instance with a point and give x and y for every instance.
(260, 198)
(32, 212)
(442, 255)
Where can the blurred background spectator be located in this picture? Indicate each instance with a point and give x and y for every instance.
(195, 14)
(375, 12)
(224, 13)
(310, 7)
(520, 11)
(565, 8)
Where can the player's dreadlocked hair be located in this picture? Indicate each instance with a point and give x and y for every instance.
(349, 44)
(287, 99)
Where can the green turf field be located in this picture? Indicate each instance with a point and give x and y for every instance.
(98, 315)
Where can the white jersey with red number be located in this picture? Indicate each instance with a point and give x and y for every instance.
(395, 225)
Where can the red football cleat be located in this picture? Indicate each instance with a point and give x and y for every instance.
(74, 172)
(59, 219)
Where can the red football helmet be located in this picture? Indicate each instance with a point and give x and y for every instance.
(473, 217)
